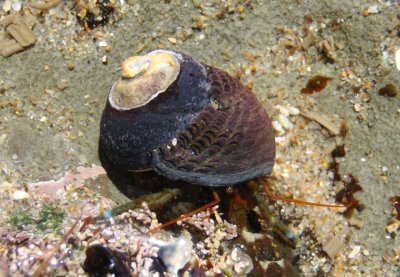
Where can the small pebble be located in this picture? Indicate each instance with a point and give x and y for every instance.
(5, 185)
(201, 36)
(356, 222)
(293, 111)
(385, 170)
(62, 84)
(392, 227)
(172, 40)
(373, 9)
(16, 5)
(357, 107)
(104, 59)
(20, 194)
(102, 43)
(7, 5)
(70, 65)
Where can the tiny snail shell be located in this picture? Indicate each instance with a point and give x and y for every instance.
(187, 121)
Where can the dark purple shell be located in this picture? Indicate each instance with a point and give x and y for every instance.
(102, 261)
(222, 135)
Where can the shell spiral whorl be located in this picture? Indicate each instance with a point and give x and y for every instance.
(186, 121)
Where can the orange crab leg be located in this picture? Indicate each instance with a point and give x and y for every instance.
(297, 201)
(237, 199)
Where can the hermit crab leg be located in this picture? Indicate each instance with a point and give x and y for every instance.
(297, 201)
(154, 201)
(184, 216)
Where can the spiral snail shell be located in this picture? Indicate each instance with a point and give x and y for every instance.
(187, 121)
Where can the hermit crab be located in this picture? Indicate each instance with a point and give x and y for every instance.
(186, 121)
(191, 122)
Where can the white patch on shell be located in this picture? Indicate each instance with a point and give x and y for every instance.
(175, 56)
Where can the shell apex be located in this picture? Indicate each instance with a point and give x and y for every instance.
(143, 78)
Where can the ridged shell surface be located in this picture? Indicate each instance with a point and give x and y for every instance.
(204, 128)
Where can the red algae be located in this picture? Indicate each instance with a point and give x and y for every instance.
(316, 84)
(396, 204)
(388, 90)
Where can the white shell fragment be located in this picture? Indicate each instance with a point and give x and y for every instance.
(102, 43)
(177, 254)
(7, 5)
(240, 262)
(278, 127)
(397, 59)
(282, 122)
(323, 120)
(373, 9)
(293, 111)
(355, 252)
(16, 5)
(333, 246)
(143, 78)
(20, 194)
(285, 122)
(282, 110)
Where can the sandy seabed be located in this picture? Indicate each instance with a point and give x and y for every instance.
(53, 93)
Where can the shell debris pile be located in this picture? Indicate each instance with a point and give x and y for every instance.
(282, 123)
(302, 172)
(298, 148)
(126, 234)
(20, 35)
(63, 19)
(120, 233)
(217, 231)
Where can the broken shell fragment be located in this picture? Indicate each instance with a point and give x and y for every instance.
(241, 264)
(285, 122)
(187, 121)
(177, 254)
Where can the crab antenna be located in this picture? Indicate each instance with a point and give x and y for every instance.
(297, 201)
